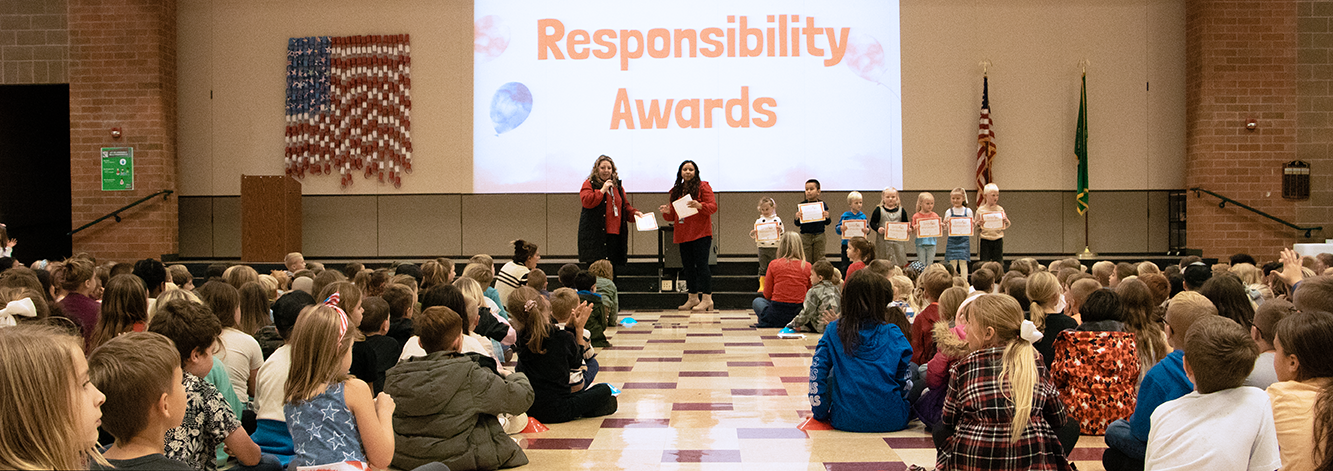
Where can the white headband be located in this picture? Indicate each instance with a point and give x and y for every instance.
(23, 307)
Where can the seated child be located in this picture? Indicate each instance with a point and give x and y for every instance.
(1043, 290)
(1001, 411)
(271, 425)
(537, 281)
(566, 275)
(1096, 366)
(450, 402)
(402, 305)
(861, 252)
(934, 281)
(1266, 318)
(950, 345)
(140, 374)
(607, 289)
(51, 409)
(903, 290)
(333, 417)
(208, 421)
(823, 296)
(1127, 441)
(1304, 371)
(586, 284)
(549, 357)
(564, 303)
(1220, 425)
(377, 352)
(868, 356)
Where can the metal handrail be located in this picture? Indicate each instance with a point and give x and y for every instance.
(1308, 230)
(116, 213)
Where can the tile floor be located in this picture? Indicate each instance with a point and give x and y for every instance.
(705, 391)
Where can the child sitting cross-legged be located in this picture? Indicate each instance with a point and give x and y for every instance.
(586, 284)
(209, 420)
(549, 356)
(140, 374)
(822, 297)
(1221, 425)
(449, 402)
(859, 374)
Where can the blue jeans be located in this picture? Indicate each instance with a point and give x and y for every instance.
(591, 373)
(1118, 436)
(266, 462)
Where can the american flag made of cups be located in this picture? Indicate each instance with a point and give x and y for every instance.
(349, 106)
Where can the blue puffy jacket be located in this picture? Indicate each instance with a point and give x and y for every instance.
(863, 392)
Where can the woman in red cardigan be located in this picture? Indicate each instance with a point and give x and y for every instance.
(604, 222)
(785, 284)
(694, 233)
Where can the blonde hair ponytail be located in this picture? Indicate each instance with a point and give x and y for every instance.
(1019, 370)
(1041, 288)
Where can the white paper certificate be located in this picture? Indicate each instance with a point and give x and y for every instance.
(928, 228)
(766, 232)
(812, 212)
(646, 222)
(896, 231)
(960, 227)
(853, 228)
(992, 220)
(682, 208)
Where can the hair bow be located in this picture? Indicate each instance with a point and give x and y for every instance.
(23, 307)
(332, 302)
(1030, 332)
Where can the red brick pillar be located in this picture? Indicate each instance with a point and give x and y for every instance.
(122, 73)
(1241, 65)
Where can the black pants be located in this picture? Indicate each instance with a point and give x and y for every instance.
(991, 250)
(1067, 434)
(595, 401)
(694, 258)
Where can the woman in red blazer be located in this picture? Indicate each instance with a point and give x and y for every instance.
(694, 233)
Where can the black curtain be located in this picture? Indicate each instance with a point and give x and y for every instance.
(34, 169)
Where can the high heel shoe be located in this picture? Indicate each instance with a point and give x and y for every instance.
(705, 305)
(691, 303)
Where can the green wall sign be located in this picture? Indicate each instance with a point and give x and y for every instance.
(117, 168)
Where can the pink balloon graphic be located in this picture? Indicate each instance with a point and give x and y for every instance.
(865, 56)
(491, 40)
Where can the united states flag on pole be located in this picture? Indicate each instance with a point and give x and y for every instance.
(349, 107)
(985, 140)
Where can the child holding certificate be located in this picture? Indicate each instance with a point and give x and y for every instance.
(926, 225)
(993, 221)
(959, 251)
(857, 226)
(766, 231)
(886, 219)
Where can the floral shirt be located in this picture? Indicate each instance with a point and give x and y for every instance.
(208, 421)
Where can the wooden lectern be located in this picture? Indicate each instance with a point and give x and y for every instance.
(270, 217)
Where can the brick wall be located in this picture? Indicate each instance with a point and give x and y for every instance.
(122, 73)
(34, 41)
(1314, 116)
(1241, 65)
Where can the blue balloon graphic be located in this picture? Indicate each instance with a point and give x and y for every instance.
(510, 106)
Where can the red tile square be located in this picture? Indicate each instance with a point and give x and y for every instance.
(1087, 454)
(912, 442)
(635, 423)
(795, 379)
(867, 466)
(703, 374)
(558, 443)
(705, 352)
(758, 392)
(731, 364)
(649, 386)
(701, 406)
(660, 360)
(609, 369)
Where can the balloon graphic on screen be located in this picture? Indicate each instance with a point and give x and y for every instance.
(865, 56)
(491, 38)
(510, 106)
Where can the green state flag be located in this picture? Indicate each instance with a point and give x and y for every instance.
(1081, 148)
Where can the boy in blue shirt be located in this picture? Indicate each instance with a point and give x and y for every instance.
(853, 213)
(1127, 441)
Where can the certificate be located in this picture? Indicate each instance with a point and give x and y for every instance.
(960, 227)
(992, 220)
(853, 228)
(682, 208)
(928, 228)
(812, 212)
(896, 231)
(646, 222)
(767, 232)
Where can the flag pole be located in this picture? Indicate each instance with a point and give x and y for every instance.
(1081, 199)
